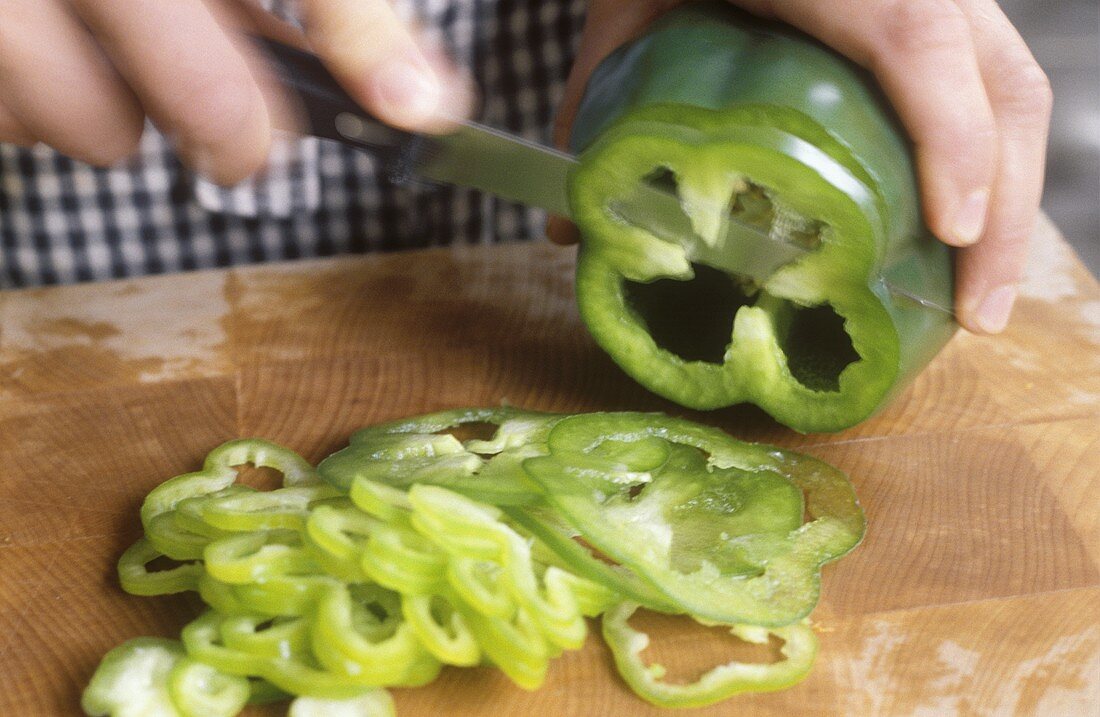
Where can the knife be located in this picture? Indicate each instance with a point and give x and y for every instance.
(513, 168)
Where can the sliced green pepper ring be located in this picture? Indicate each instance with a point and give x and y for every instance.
(267, 638)
(373, 703)
(460, 526)
(199, 690)
(441, 421)
(181, 540)
(517, 645)
(137, 579)
(348, 638)
(265, 510)
(592, 597)
(133, 679)
(294, 674)
(482, 585)
(381, 501)
(491, 566)
(399, 558)
(441, 628)
(721, 682)
(417, 451)
(277, 596)
(615, 578)
(188, 513)
(221, 597)
(727, 544)
(338, 534)
(248, 558)
(218, 473)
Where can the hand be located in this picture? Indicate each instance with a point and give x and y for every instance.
(81, 75)
(968, 91)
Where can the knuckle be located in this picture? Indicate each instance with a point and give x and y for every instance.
(922, 26)
(1028, 95)
(359, 43)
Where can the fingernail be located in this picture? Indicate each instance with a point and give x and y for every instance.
(408, 89)
(995, 309)
(970, 218)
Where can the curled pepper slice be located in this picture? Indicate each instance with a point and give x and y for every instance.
(154, 677)
(181, 540)
(721, 682)
(419, 451)
(491, 567)
(277, 596)
(132, 680)
(727, 543)
(199, 690)
(255, 635)
(247, 558)
(137, 579)
(374, 703)
(338, 534)
(295, 673)
(441, 629)
(286, 507)
(349, 637)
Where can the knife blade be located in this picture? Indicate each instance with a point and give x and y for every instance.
(513, 168)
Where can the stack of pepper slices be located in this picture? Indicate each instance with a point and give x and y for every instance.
(412, 549)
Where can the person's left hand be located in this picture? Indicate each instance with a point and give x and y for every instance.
(972, 98)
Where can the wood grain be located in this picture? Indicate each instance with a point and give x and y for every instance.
(977, 590)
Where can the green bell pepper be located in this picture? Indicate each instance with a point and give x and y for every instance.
(719, 683)
(744, 118)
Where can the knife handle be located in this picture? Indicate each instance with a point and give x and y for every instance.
(331, 113)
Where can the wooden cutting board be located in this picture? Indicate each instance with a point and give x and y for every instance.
(977, 590)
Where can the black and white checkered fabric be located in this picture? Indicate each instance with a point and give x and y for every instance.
(62, 221)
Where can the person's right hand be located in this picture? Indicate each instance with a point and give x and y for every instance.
(82, 75)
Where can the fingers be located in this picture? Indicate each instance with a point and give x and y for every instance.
(193, 80)
(1021, 99)
(383, 66)
(607, 25)
(922, 53)
(561, 231)
(59, 88)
